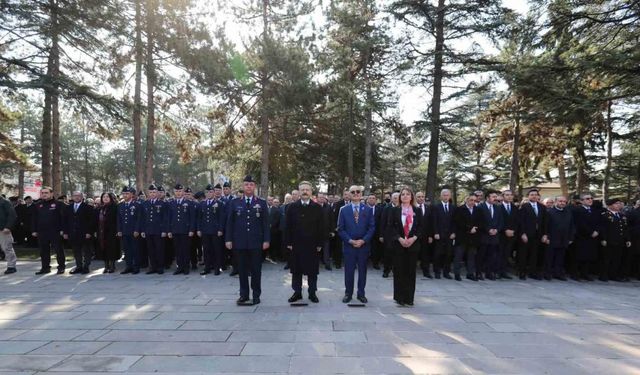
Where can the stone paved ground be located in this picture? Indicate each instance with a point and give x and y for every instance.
(190, 324)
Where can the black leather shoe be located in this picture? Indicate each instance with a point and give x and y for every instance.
(561, 278)
(427, 274)
(85, 270)
(338, 266)
(447, 276)
(479, 276)
(363, 299)
(135, 272)
(126, 271)
(194, 267)
(437, 276)
(150, 272)
(60, 271)
(376, 267)
(505, 276)
(458, 278)
(535, 277)
(313, 298)
(75, 271)
(233, 273)
(242, 300)
(10, 270)
(177, 272)
(216, 272)
(44, 271)
(327, 267)
(523, 277)
(160, 271)
(472, 277)
(186, 271)
(296, 297)
(205, 272)
(346, 299)
(385, 274)
(256, 301)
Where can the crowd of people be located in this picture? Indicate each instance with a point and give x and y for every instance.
(490, 236)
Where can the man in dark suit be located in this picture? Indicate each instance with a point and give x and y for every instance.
(443, 236)
(356, 227)
(376, 245)
(386, 235)
(274, 223)
(336, 252)
(329, 227)
(509, 213)
(304, 238)
(465, 225)
(490, 228)
(427, 238)
(587, 222)
(532, 226)
(47, 226)
(79, 226)
(561, 233)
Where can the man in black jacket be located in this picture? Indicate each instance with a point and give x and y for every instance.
(47, 227)
(466, 224)
(443, 236)
(79, 226)
(425, 242)
(386, 234)
(532, 235)
(587, 222)
(7, 220)
(490, 228)
(561, 233)
(377, 248)
(509, 214)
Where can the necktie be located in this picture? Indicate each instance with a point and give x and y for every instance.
(446, 208)
(508, 208)
(75, 208)
(491, 210)
(356, 213)
(535, 208)
(248, 202)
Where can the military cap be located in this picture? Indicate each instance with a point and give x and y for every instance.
(209, 187)
(188, 190)
(613, 201)
(248, 178)
(178, 187)
(217, 186)
(227, 184)
(152, 187)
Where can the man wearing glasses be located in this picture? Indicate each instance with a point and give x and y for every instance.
(356, 227)
(587, 222)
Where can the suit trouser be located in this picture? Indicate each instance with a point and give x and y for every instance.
(326, 252)
(487, 258)
(554, 261)
(355, 258)
(182, 248)
(143, 253)
(249, 262)
(46, 243)
(212, 252)
(82, 252)
(505, 252)
(442, 256)
(387, 259)
(131, 252)
(296, 282)
(195, 250)
(404, 275)
(462, 251)
(527, 257)
(336, 246)
(377, 251)
(155, 248)
(6, 244)
(426, 256)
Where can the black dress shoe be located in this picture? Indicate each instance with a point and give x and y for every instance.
(135, 272)
(205, 272)
(75, 271)
(410, 303)
(479, 276)
(437, 276)
(242, 300)
(588, 278)
(546, 277)
(447, 276)
(186, 271)
(603, 279)
(523, 277)
(338, 266)
(44, 271)
(313, 298)
(472, 277)
(505, 276)
(458, 278)
(346, 299)
(216, 272)
(178, 271)
(256, 301)
(363, 299)
(491, 277)
(427, 274)
(286, 266)
(535, 277)
(126, 271)
(400, 303)
(327, 267)
(194, 267)
(385, 274)
(160, 271)
(296, 297)
(233, 273)
(85, 270)
(10, 270)
(150, 272)
(60, 271)
(376, 267)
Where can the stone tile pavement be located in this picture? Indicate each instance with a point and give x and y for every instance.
(190, 325)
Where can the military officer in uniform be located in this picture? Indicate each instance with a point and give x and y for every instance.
(615, 241)
(247, 233)
(226, 192)
(181, 228)
(154, 232)
(129, 215)
(210, 228)
(47, 227)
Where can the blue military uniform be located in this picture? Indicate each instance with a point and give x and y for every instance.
(129, 224)
(154, 221)
(181, 222)
(211, 221)
(248, 228)
(47, 222)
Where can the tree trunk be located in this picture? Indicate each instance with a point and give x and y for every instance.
(368, 132)
(151, 84)
(20, 166)
(46, 134)
(56, 169)
(562, 176)
(581, 166)
(514, 175)
(434, 141)
(350, 126)
(607, 169)
(137, 101)
(87, 167)
(264, 117)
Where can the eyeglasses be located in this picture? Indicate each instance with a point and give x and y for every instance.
(587, 198)
(355, 191)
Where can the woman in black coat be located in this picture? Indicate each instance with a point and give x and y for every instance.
(108, 245)
(405, 225)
